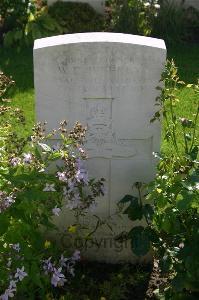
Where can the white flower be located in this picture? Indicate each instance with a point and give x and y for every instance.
(56, 211)
(63, 261)
(49, 187)
(76, 255)
(75, 202)
(81, 150)
(181, 245)
(147, 4)
(48, 266)
(9, 200)
(12, 284)
(197, 186)
(9, 293)
(157, 6)
(71, 186)
(16, 247)
(15, 161)
(27, 158)
(20, 274)
(58, 278)
(9, 262)
(92, 206)
(82, 175)
(62, 176)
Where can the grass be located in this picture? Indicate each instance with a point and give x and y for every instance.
(19, 65)
(187, 60)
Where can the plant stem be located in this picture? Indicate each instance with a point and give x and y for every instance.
(194, 131)
(185, 141)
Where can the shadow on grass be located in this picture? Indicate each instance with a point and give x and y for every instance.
(19, 65)
(96, 280)
(187, 60)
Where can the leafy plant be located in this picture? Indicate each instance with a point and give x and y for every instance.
(175, 23)
(76, 17)
(26, 21)
(32, 194)
(173, 214)
(170, 23)
(139, 236)
(5, 83)
(133, 16)
(15, 12)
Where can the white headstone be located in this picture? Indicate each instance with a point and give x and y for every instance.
(107, 81)
(98, 5)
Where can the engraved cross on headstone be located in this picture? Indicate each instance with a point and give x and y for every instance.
(102, 140)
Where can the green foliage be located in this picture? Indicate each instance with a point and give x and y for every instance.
(26, 21)
(137, 210)
(173, 216)
(32, 193)
(39, 25)
(162, 19)
(37, 21)
(111, 282)
(15, 12)
(175, 23)
(170, 23)
(133, 16)
(76, 17)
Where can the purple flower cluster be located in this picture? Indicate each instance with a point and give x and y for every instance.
(15, 161)
(27, 158)
(71, 189)
(6, 201)
(12, 288)
(58, 278)
(81, 174)
(66, 265)
(56, 211)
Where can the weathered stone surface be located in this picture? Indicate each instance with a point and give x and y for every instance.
(98, 5)
(108, 82)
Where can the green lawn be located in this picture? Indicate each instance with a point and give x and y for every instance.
(19, 65)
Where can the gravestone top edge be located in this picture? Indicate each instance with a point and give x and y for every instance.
(99, 37)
